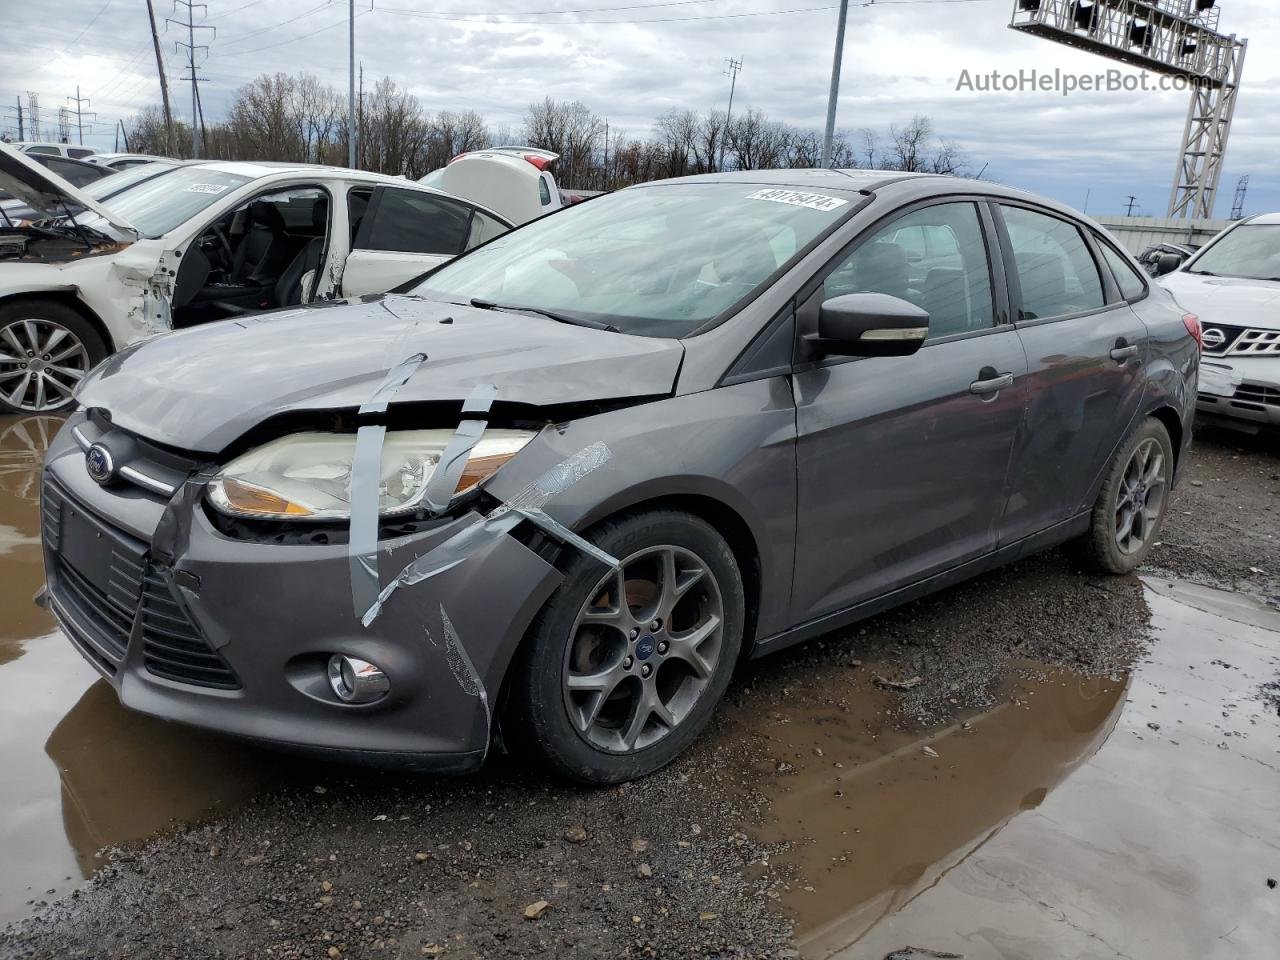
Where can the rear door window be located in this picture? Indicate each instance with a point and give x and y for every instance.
(483, 228)
(1128, 279)
(411, 221)
(1055, 270)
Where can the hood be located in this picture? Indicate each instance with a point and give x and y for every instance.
(201, 389)
(1231, 300)
(49, 195)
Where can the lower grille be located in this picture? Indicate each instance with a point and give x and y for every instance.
(172, 646)
(116, 587)
(1253, 393)
(100, 604)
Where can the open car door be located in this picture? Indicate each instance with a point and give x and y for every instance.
(407, 231)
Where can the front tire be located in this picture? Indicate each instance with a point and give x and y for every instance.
(621, 670)
(1132, 504)
(46, 348)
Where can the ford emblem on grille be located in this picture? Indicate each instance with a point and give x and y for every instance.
(1213, 338)
(98, 463)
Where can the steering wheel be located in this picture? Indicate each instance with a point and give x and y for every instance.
(224, 243)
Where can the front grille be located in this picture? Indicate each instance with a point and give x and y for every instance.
(172, 645)
(102, 610)
(1242, 341)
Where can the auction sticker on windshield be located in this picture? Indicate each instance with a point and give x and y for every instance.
(206, 188)
(814, 201)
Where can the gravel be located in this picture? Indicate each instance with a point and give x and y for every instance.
(511, 863)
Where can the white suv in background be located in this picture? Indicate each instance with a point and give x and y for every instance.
(1233, 285)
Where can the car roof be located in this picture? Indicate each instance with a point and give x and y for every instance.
(1270, 219)
(893, 182)
(257, 169)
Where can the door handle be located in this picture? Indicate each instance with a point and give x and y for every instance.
(991, 384)
(1123, 350)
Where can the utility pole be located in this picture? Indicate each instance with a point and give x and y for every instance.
(1086, 200)
(191, 46)
(21, 117)
(834, 95)
(731, 69)
(605, 184)
(1129, 209)
(351, 85)
(1237, 205)
(360, 118)
(170, 143)
(79, 102)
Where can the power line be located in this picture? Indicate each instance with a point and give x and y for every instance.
(192, 47)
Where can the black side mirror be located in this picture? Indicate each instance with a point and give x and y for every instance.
(871, 325)
(1167, 263)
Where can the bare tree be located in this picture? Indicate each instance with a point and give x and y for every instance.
(298, 118)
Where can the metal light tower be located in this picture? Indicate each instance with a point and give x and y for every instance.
(1177, 38)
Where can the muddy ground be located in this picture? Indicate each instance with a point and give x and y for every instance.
(713, 857)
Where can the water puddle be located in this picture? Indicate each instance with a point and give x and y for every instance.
(81, 772)
(1082, 816)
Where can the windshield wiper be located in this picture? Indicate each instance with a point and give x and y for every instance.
(549, 314)
(1203, 273)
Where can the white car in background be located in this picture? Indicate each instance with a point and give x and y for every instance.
(121, 161)
(197, 242)
(1233, 285)
(514, 180)
(48, 147)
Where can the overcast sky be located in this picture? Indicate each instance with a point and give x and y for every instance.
(901, 57)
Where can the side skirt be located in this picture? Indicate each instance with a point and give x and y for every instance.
(1058, 533)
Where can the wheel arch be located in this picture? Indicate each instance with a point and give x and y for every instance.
(1172, 423)
(67, 297)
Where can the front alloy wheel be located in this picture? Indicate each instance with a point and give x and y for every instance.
(41, 364)
(621, 669)
(643, 649)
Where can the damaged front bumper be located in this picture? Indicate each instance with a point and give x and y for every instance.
(235, 635)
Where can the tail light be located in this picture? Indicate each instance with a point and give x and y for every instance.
(540, 162)
(1192, 323)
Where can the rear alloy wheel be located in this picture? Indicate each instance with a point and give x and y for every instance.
(45, 351)
(623, 670)
(1131, 506)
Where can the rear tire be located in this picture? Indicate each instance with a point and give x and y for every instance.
(604, 691)
(46, 348)
(1132, 504)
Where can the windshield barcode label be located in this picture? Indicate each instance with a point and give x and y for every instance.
(814, 201)
(206, 188)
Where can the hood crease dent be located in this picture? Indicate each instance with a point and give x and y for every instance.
(201, 389)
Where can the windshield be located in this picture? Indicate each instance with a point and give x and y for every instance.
(658, 261)
(156, 206)
(121, 181)
(1251, 251)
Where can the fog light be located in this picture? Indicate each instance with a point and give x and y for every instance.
(355, 680)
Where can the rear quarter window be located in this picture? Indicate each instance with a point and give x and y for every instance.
(1128, 279)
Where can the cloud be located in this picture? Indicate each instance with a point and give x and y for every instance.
(900, 59)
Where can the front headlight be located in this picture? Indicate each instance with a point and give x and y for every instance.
(307, 476)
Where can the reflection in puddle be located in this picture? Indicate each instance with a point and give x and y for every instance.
(1062, 823)
(81, 772)
(877, 819)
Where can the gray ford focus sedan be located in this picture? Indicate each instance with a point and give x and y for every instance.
(551, 494)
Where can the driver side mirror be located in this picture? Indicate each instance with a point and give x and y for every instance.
(871, 325)
(1167, 263)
